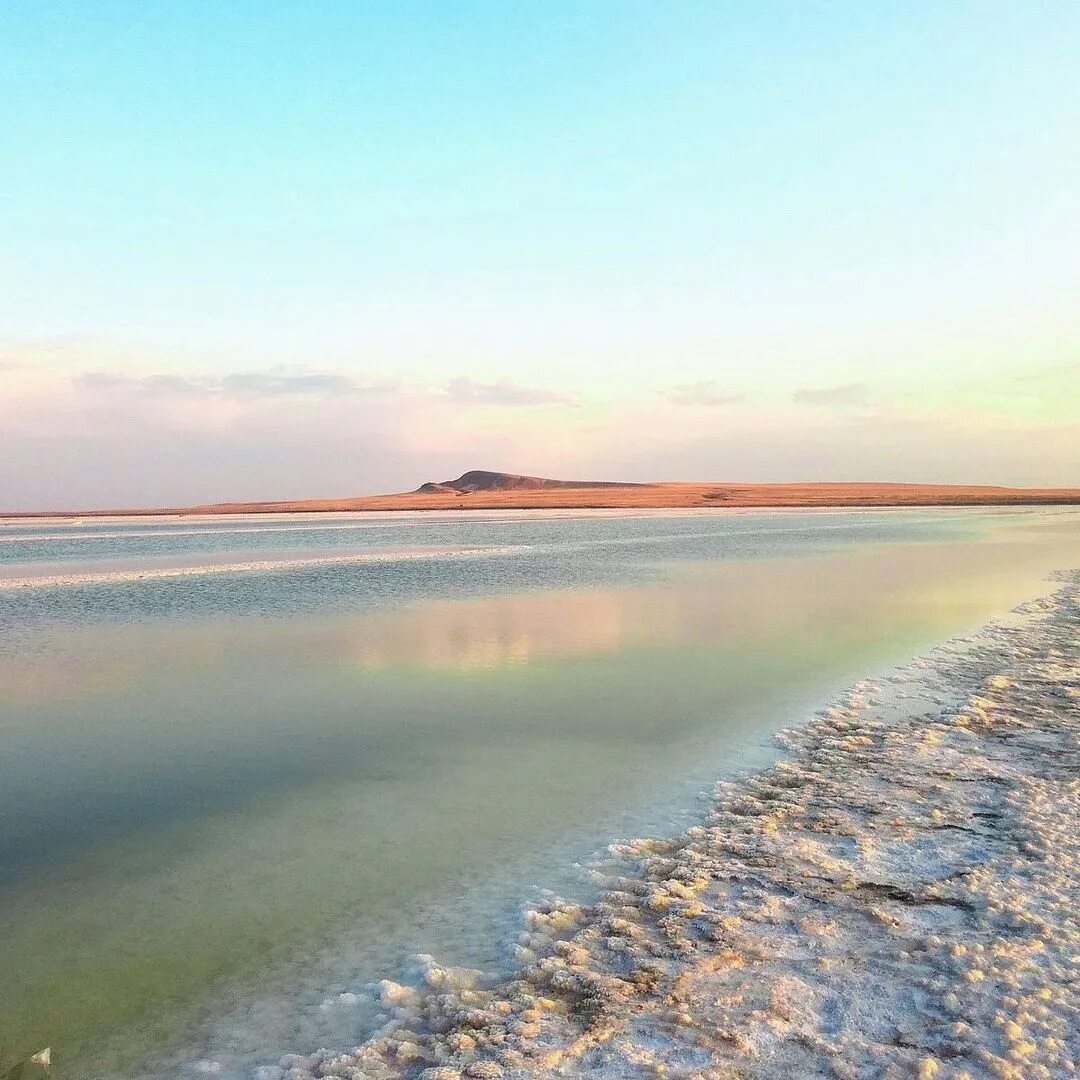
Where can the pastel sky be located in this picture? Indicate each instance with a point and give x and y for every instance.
(275, 250)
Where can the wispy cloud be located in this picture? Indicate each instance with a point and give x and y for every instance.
(503, 393)
(155, 438)
(1051, 373)
(242, 385)
(39, 351)
(838, 396)
(707, 393)
(106, 382)
(313, 383)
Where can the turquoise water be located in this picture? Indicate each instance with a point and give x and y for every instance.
(249, 764)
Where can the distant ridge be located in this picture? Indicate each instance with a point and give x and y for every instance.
(481, 489)
(482, 480)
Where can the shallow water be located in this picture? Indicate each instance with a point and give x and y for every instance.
(249, 764)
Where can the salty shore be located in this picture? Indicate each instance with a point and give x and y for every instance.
(897, 897)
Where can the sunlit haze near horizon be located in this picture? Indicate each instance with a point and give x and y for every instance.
(295, 250)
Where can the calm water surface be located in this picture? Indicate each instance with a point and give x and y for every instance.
(248, 764)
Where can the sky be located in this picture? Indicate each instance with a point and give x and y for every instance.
(304, 249)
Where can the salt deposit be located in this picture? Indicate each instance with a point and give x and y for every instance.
(897, 897)
(112, 577)
(71, 534)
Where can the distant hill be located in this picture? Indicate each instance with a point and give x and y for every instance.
(480, 489)
(480, 480)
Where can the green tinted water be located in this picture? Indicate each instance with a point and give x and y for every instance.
(215, 819)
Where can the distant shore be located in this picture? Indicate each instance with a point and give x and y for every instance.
(622, 497)
(898, 896)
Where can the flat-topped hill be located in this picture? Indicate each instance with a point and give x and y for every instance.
(481, 480)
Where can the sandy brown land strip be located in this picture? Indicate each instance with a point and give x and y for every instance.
(642, 496)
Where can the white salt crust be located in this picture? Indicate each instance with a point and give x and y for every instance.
(898, 897)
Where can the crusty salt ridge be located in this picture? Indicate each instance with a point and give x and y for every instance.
(898, 897)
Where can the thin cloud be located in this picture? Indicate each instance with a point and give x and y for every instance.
(155, 385)
(39, 352)
(706, 393)
(271, 385)
(104, 381)
(243, 385)
(1051, 373)
(503, 393)
(845, 395)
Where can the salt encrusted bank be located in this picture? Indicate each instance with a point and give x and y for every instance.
(898, 897)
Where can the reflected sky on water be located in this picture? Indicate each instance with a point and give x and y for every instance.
(223, 795)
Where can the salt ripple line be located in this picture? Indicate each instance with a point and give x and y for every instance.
(150, 533)
(268, 566)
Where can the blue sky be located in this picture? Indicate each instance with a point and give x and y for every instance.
(638, 240)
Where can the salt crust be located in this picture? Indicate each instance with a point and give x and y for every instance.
(897, 897)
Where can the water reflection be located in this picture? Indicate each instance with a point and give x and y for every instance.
(698, 603)
(192, 804)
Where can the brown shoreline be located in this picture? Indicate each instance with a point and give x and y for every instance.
(658, 496)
